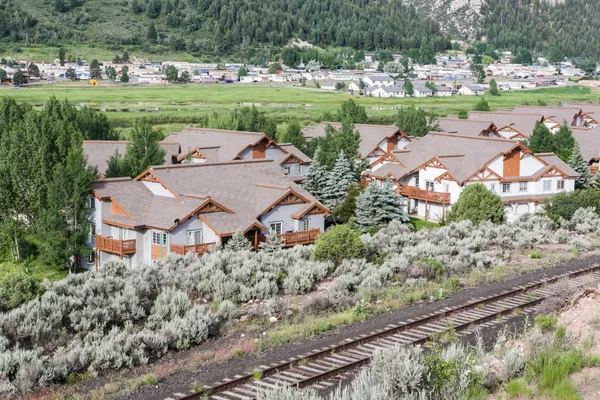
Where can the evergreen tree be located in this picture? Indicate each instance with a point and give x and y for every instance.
(564, 143)
(340, 178)
(476, 203)
(379, 204)
(352, 112)
(95, 72)
(184, 77)
(346, 210)
(111, 73)
(463, 114)
(152, 36)
(415, 121)
(116, 166)
(238, 242)
(408, 88)
(61, 56)
(541, 140)
(70, 74)
(316, 179)
(293, 134)
(19, 78)
(494, 88)
(171, 73)
(273, 243)
(144, 151)
(33, 70)
(481, 105)
(579, 164)
(124, 74)
(3, 75)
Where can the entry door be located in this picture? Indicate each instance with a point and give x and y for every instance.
(159, 245)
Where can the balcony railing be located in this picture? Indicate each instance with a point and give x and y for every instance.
(414, 192)
(304, 237)
(115, 246)
(198, 249)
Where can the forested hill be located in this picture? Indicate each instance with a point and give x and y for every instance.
(217, 27)
(570, 28)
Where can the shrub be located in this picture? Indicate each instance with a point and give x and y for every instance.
(546, 322)
(476, 203)
(339, 243)
(564, 205)
(517, 388)
(581, 244)
(18, 288)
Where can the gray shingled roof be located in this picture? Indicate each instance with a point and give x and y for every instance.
(589, 141)
(370, 135)
(290, 148)
(558, 114)
(248, 188)
(553, 160)
(98, 152)
(524, 123)
(465, 127)
(382, 78)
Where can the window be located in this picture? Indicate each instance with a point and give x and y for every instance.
(92, 230)
(506, 188)
(194, 237)
(276, 227)
(92, 203)
(417, 181)
(560, 185)
(493, 187)
(306, 224)
(159, 238)
(123, 234)
(429, 185)
(547, 185)
(522, 186)
(92, 257)
(298, 168)
(446, 188)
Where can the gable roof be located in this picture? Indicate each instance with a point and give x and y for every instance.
(523, 123)
(370, 135)
(262, 183)
(384, 78)
(557, 114)
(589, 142)
(98, 152)
(468, 127)
(294, 152)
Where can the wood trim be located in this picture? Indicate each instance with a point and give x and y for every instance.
(279, 200)
(447, 176)
(291, 156)
(482, 170)
(209, 225)
(312, 210)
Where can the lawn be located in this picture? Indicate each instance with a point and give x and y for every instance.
(36, 268)
(420, 224)
(185, 103)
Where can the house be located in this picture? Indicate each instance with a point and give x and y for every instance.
(327, 85)
(376, 140)
(353, 87)
(471, 90)
(556, 116)
(442, 91)
(385, 91)
(432, 172)
(178, 209)
(510, 125)
(468, 127)
(378, 80)
(421, 91)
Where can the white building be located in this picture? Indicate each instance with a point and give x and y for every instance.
(378, 80)
(471, 90)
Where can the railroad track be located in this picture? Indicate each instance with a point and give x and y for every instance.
(322, 367)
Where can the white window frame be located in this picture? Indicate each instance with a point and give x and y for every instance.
(523, 186)
(430, 184)
(560, 184)
(192, 234)
(298, 168)
(306, 224)
(546, 185)
(276, 224)
(159, 238)
(506, 187)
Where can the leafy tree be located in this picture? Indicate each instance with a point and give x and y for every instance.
(541, 140)
(152, 35)
(19, 78)
(95, 72)
(116, 166)
(313, 66)
(185, 77)
(476, 203)
(587, 66)
(117, 59)
(494, 88)
(463, 114)
(339, 86)
(346, 210)
(238, 242)
(379, 204)
(523, 57)
(125, 74)
(415, 121)
(431, 86)
(137, 7)
(340, 243)
(345, 139)
(111, 72)
(172, 73)
(564, 204)
(564, 143)
(350, 111)
(243, 71)
(61, 56)
(478, 72)
(18, 288)
(340, 178)
(408, 88)
(482, 105)
(33, 70)
(361, 85)
(293, 134)
(144, 150)
(125, 58)
(579, 164)
(70, 74)
(487, 60)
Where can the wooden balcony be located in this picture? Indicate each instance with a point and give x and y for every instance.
(115, 246)
(198, 249)
(304, 237)
(413, 192)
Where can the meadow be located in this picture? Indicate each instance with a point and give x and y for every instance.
(184, 104)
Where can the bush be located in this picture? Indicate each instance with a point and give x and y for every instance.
(340, 243)
(564, 205)
(18, 288)
(476, 204)
(546, 322)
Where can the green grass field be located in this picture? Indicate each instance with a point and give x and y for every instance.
(36, 268)
(185, 103)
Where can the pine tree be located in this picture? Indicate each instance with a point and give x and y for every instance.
(316, 179)
(378, 205)
(408, 88)
(95, 72)
(564, 143)
(481, 105)
(494, 88)
(273, 243)
(579, 164)
(238, 242)
(152, 35)
(144, 151)
(340, 178)
(116, 166)
(541, 140)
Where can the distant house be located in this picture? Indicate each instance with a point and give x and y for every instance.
(471, 90)
(442, 91)
(353, 87)
(386, 92)
(327, 85)
(250, 79)
(378, 80)
(422, 91)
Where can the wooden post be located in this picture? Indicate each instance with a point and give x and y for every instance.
(426, 209)
(97, 254)
(256, 239)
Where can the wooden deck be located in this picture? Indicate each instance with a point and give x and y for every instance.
(115, 246)
(198, 249)
(304, 237)
(413, 192)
